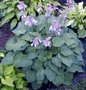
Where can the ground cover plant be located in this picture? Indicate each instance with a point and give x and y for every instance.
(43, 47)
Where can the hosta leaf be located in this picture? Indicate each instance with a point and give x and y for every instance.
(50, 74)
(57, 41)
(7, 81)
(68, 78)
(27, 37)
(56, 61)
(40, 74)
(2, 5)
(1, 70)
(8, 70)
(8, 59)
(7, 18)
(67, 60)
(32, 55)
(70, 22)
(2, 55)
(58, 80)
(30, 76)
(66, 51)
(75, 68)
(35, 85)
(53, 67)
(13, 23)
(20, 29)
(21, 60)
(15, 44)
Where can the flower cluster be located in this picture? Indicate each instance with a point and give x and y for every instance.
(37, 41)
(49, 9)
(55, 28)
(21, 6)
(39, 8)
(29, 20)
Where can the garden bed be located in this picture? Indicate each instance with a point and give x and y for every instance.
(6, 34)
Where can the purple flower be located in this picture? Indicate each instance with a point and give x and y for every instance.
(63, 14)
(30, 21)
(55, 28)
(47, 42)
(49, 10)
(21, 5)
(23, 16)
(39, 7)
(70, 3)
(36, 41)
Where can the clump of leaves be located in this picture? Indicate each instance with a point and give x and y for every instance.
(76, 17)
(11, 79)
(45, 50)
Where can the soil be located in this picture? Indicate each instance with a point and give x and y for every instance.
(5, 34)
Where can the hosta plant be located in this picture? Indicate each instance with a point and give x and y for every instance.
(11, 79)
(75, 15)
(45, 50)
(10, 10)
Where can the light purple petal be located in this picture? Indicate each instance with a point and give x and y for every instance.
(21, 5)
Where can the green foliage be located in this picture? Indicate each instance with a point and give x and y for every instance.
(76, 17)
(1, 54)
(81, 85)
(11, 79)
(9, 10)
(56, 64)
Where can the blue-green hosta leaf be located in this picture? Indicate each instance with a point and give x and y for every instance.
(30, 76)
(15, 44)
(32, 55)
(20, 29)
(66, 51)
(37, 65)
(35, 85)
(67, 60)
(27, 37)
(68, 78)
(75, 68)
(40, 75)
(57, 41)
(8, 59)
(35, 34)
(50, 74)
(58, 80)
(21, 60)
(53, 67)
(56, 61)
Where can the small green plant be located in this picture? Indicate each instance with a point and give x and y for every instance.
(11, 79)
(76, 17)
